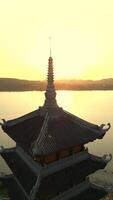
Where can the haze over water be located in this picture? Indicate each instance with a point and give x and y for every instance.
(93, 106)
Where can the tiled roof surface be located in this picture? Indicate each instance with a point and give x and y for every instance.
(61, 131)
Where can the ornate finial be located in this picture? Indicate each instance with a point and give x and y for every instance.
(50, 39)
(50, 94)
(105, 129)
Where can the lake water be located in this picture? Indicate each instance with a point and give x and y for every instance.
(93, 106)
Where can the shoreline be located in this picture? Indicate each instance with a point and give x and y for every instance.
(56, 90)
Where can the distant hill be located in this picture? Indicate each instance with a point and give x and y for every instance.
(10, 84)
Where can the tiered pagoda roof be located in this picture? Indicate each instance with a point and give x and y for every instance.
(50, 128)
(45, 132)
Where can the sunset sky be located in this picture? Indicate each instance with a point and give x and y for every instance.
(82, 38)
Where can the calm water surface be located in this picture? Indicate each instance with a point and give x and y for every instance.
(93, 106)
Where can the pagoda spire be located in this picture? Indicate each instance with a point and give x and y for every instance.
(50, 94)
(50, 45)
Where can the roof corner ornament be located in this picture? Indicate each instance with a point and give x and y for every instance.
(105, 129)
(3, 122)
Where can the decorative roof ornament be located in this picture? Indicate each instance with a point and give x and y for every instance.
(105, 129)
(50, 94)
(3, 122)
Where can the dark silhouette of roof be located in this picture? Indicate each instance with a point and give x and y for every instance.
(63, 179)
(51, 132)
(15, 192)
(91, 194)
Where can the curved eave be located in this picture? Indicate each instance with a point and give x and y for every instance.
(99, 131)
(19, 120)
(107, 189)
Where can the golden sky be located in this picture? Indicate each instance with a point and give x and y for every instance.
(82, 38)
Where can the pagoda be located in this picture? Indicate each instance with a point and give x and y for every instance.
(50, 161)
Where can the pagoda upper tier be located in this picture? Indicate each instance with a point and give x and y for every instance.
(51, 129)
(50, 94)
